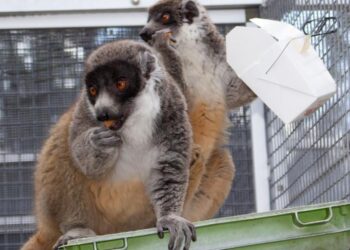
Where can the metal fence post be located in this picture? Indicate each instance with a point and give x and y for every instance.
(260, 166)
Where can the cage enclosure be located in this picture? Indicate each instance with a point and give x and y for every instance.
(41, 66)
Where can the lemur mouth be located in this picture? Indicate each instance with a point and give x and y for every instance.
(114, 124)
(146, 34)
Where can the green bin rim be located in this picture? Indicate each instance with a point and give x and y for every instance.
(252, 216)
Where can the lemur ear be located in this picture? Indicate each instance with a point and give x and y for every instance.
(190, 11)
(147, 63)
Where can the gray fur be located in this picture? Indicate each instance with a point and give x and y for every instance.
(207, 39)
(98, 151)
(170, 57)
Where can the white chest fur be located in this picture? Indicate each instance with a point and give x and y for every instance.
(137, 154)
(202, 74)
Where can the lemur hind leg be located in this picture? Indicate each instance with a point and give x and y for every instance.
(214, 187)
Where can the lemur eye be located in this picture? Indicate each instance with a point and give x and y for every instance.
(93, 91)
(122, 84)
(165, 18)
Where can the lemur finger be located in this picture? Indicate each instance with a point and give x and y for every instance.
(108, 142)
(63, 240)
(105, 134)
(193, 232)
(173, 236)
(179, 239)
(166, 30)
(165, 34)
(73, 234)
(168, 34)
(172, 39)
(171, 242)
(188, 234)
(196, 154)
(160, 231)
(100, 130)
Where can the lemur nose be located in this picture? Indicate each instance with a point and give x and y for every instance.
(145, 34)
(102, 116)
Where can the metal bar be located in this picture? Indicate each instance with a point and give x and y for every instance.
(261, 168)
(102, 19)
(27, 6)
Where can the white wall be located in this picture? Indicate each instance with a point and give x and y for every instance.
(28, 14)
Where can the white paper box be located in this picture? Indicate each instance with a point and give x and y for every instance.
(280, 65)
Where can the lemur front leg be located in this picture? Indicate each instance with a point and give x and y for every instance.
(164, 42)
(96, 151)
(168, 189)
(168, 183)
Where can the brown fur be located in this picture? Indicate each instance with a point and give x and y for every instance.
(214, 187)
(117, 207)
(109, 205)
(212, 173)
(208, 124)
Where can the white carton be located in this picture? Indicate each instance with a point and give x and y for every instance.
(279, 64)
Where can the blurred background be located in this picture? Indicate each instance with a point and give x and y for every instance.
(43, 45)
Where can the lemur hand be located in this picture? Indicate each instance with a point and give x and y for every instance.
(163, 39)
(180, 229)
(74, 233)
(102, 137)
(196, 154)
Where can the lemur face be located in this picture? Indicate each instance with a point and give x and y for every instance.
(169, 14)
(111, 89)
(115, 74)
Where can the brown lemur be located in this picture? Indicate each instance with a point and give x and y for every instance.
(119, 159)
(197, 60)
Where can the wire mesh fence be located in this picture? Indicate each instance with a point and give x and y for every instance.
(310, 159)
(241, 199)
(40, 77)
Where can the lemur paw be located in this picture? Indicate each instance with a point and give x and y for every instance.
(74, 233)
(196, 154)
(181, 231)
(102, 137)
(163, 39)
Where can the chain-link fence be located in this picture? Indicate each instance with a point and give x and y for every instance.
(310, 159)
(40, 77)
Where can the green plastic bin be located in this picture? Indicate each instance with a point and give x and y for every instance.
(316, 227)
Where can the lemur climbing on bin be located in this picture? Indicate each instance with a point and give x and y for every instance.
(119, 159)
